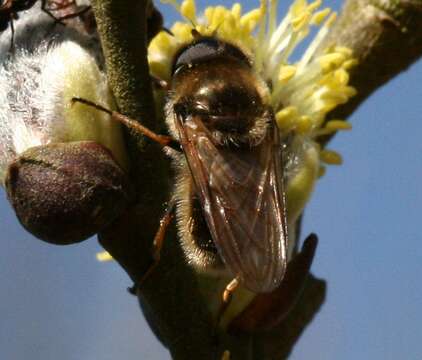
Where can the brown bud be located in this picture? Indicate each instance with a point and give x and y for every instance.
(64, 193)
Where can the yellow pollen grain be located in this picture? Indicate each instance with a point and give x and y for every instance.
(300, 21)
(341, 76)
(236, 11)
(304, 124)
(331, 19)
(297, 7)
(344, 50)
(328, 105)
(252, 17)
(338, 125)
(208, 13)
(331, 61)
(338, 97)
(286, 118)
(349, 91)
(331, 157)
(286, 73)
(319, 16)
(188, 10)
(348, 64)
(104, 256)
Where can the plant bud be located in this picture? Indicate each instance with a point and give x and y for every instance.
(64, 193)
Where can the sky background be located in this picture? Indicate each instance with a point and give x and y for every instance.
(59, 303)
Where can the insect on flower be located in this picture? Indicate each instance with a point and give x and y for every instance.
(247, 122)
(231, 206)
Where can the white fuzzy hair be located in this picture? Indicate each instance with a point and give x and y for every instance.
(49, 65)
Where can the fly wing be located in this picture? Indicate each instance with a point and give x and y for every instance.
(242, 198)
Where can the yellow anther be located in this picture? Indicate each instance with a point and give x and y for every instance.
(341, 76)
(331, 61)
(331, 19)
(331, 157)
(319, 16)
(286, 73)
(286, 118)
(236, 11)
(304, 124)
(338, 125)
(344, 50)
(348, 64)
(104, 256)
(252, 17)
(188, 10)
(300, 21)
(349, 91)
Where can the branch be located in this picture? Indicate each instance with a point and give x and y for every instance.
(170, 297)
(386, 37)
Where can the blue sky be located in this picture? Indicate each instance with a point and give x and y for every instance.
(58, 302)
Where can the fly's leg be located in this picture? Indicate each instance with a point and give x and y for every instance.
(227, 297)
(157, 245)
(158, 242)
(228, 291)
(163, 140)
(226, 355)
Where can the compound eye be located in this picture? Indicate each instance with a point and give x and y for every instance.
(206, 49)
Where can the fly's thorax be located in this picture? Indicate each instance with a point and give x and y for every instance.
(222, 91)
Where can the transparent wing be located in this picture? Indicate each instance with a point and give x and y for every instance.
(241, 193)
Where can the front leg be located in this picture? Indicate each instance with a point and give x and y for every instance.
(163, 140)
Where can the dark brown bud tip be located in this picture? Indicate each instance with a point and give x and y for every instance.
(66, 192)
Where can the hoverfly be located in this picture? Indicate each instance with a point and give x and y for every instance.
(226, 149)
(229, 189)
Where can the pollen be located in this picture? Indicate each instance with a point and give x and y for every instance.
(336, 125)
(331, 157)
(104, 256)
(286, 73)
